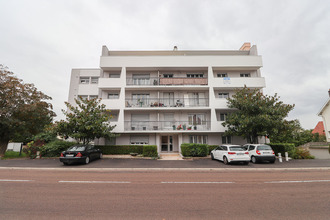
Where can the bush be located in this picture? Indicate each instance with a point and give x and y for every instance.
(32, 148)
(150, 151)
(54, 148)
(194, 150)
(211, 147)
(284, 147)
(303, 153)
(120, 149)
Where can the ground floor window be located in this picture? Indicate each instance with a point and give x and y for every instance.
(198, 139)
(226, 139)
(139, 139)
(111, 141)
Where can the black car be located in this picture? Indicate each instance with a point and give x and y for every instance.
(80, 154)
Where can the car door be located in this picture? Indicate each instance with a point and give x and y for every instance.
(216, 152)
(222, 152)
(251, 150)
(90, 152)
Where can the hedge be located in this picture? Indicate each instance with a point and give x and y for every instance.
(55, 148)
(150, 151)
(121, 149)
(211, 148)
(194, 150)
(284, 147)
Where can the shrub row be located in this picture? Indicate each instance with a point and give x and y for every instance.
(150, 151)
(284, 147)
(54, 148)
(194, 150)
(121, 149)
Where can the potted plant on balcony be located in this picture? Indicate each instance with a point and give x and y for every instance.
(179, 127)
(173, 127)
(140, 102)
(189, 128)
(195, 126)
(184, 127)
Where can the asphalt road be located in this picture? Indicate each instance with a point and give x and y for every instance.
(228, 194)
(145, 163)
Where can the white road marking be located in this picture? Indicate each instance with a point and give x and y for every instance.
(300, 181)
(198, 182)
(64, 181)
(3, 180)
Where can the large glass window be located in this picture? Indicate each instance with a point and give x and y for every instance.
(223, 95)
(226, 139)
(223, 116)
(141, 79)
(113, 95)
(140, 99)
(196, 119)
(94, 80)
(198, 139)
(139, 139)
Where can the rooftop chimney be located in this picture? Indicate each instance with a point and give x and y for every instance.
(245, 46)
(175, 48)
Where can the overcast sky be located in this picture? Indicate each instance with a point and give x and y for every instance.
(41, 41)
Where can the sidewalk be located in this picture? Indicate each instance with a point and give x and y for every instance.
(150, 163)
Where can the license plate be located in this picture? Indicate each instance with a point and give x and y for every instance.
(240, 154)
(69, 155)
(266, 153)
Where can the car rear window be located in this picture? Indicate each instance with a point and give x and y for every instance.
(264, 147)
(237, 148)
(76, 148)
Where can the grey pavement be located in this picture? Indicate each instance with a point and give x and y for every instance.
(149, 163)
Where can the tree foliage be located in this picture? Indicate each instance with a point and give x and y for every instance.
(24, 111)
(85, 121)
(256, 115)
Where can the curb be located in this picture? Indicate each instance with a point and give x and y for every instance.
(165, 169)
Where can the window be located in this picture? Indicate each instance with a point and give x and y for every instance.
(141, 79)
(198, 139)
(251, 147)
(113, 95)
(168, 75)
(222, 75)
(93, 96)
(223, 116)
(223, 95)
(114, 117)
(196, 119)
(226, 139)
(139, 139)
(84, 80)
(195, 75)
(114, 75)
(245, 75)
(94, 80)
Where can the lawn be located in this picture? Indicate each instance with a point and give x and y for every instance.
(12, 154)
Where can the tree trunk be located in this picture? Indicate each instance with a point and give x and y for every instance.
(3, 147)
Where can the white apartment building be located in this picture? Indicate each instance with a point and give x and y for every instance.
(167, 98)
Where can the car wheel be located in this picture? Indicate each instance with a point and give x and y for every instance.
(87, 160)
(253, 159)
(212, 157)
(101, 156)
(225, 160)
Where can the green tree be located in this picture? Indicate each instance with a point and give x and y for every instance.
(24, 111)
(86, 121)
(256, 115)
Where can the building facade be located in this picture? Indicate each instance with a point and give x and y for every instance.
(167, 98)
(325, 114)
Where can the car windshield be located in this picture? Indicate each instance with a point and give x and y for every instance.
(237, 148)
(77, 148)
(264, 147)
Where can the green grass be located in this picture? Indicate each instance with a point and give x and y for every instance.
(12, 154)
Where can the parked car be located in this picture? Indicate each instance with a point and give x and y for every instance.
(80, 154)
(260, 152)
(231, 153)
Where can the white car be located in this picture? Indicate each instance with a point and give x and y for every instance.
(231, 153)
(260, 152)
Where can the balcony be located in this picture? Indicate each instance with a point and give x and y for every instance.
(160, 81)
(237, 82)
(167, 102)
(166, 126)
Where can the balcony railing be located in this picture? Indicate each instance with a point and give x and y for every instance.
(166, 126)
(160, 81)
(167, 102)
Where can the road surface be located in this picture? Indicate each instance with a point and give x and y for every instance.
(234, 194)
